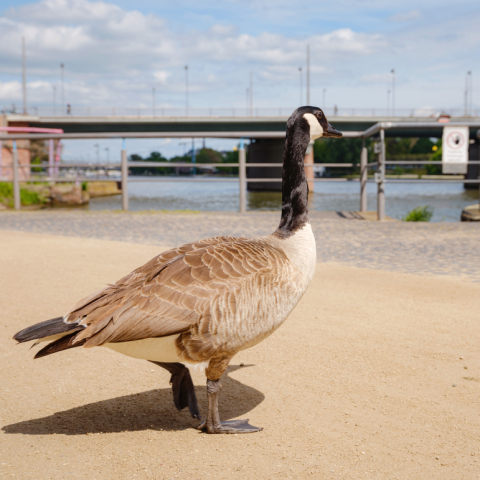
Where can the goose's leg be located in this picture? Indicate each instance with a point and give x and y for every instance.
(213, 424)
(182, 386)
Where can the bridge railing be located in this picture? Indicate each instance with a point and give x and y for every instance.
(237, 112)
(380, 179)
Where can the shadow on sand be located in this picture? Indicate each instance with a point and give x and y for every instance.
(151, 410)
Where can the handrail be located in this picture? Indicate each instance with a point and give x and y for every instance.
(378, 128)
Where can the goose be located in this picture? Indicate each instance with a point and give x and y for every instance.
(204, 302)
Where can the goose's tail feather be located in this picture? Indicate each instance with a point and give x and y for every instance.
(55, 326)
(60, 344)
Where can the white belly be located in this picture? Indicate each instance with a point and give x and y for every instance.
(156, 349)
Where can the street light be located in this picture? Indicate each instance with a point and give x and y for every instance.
(183, 144)
(153, 100)
(186, 88)
(301, 85)
(308, 74)
(63, 87)
(251, 94)
(467, 77)
(393, 91)
(24, 77)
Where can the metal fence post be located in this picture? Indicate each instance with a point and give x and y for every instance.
(124, 178)
(381, 178)
(51, 158)
(242, 176)
(16, 184)
(363, 177)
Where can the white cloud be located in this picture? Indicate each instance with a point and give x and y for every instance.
(406, 16)
(376, 78)
(161, 76)
(113, 56)
(10, 90)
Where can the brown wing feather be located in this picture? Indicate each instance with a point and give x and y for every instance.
(187, 288)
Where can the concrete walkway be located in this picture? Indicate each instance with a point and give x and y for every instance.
(374, 376)
(421, 248)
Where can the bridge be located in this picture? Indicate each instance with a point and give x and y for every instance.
(229, 123)
(266, 132)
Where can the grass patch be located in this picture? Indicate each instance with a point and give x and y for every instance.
(27, 197)
(419, 214)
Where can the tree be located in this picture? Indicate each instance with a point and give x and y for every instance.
(209, 155)
(347, 150)
(154, 157)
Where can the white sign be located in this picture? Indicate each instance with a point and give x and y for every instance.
(455, 143)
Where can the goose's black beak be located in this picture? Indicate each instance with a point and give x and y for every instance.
(332, 132)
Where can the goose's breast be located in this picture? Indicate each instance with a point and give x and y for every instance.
(265, 301)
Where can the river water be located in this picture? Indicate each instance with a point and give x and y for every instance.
(447, 200)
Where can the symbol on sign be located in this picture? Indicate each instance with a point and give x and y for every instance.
(455, 140)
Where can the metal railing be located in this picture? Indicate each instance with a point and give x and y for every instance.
(236, 112)
(379, 178)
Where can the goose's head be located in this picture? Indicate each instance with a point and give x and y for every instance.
(313, 121)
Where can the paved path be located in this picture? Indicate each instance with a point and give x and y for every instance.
(422, 248)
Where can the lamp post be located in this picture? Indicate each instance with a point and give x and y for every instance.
(308, 74)
(24, 79)
(153, 100)
(246, 101)
(301, 85)
(467, 77)
(251, 94)
(393, 92)
(63, 87)
(186, 89)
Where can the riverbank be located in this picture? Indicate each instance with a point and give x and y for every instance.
(386, 385)
(44, 195)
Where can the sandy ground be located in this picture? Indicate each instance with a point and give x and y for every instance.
(375, 375)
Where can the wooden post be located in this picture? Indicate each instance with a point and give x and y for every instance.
(363, 177)
(124, 178)
(309, 174)
(242, 177)
(16, 184)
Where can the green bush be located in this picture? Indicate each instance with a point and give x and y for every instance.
(27, 197)
(6, 193)
(419, 214)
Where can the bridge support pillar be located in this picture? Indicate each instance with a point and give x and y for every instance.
(265, 150)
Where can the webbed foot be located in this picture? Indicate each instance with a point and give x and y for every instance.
(230, 426)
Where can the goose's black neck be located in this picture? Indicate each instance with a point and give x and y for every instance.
(294, 183)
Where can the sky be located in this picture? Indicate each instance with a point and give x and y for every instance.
(116, 52)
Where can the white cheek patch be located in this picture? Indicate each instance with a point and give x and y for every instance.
(316, 130)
